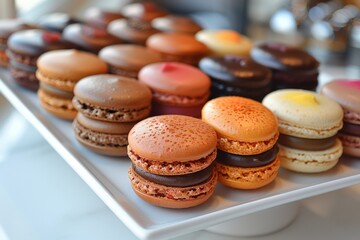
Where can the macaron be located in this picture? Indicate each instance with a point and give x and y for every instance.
(127, 59)
(56, 22)
(172, 161)
(58, 72)
(89, 38)
(143, 10)
(178, 47)
(108, 106)
(247, 133)
(100, 18)
(7, 27)
(233, 75)
(24, 48)
(177, 88)
(308, 124)
(222, 42)
(132, 30)
(347, 94)
(291, 67)
(176, 23)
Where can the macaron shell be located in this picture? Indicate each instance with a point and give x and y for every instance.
(59, 107)
(69, 65)
(175, 78)
(173, 23)
(310, 161)
(346, 93)
(351, 144)
(172, 138)
(172, 197)
(247, 178)
(223, 42)
(304, 113)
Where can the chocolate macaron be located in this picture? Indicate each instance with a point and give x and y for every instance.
(108, 106)
(177, 47)
(127, 59)
(58, 72)
(172, 161)
(177, 88)
(176, 23)
(291, 67)
(247, 135)
(236, 76)
(24, 48)
(347, 94)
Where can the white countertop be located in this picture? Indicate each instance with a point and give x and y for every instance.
(41, 197)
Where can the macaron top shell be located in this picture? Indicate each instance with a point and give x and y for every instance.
(70, 64)
(128, 56)
(112, 92)
(9, 26)
(172, 138)
(99, 17)
(56, 21)
(176, 43)
(236, 71)
(283, 57)
(223, 42)
(175, 78)
(304, 113)
(344, 92)
(173, 23)
(34, 42)
(145, 11)
(240, 119)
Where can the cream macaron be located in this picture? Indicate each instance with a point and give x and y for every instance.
(308, 124)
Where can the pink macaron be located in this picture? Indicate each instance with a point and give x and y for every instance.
(177, 88)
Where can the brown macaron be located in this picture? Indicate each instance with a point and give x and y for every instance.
(109, 106)
(174, 23)
(172, 161)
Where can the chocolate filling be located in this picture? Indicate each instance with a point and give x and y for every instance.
(305, 143)
(351, 129)
(247, 161)
(185, 180)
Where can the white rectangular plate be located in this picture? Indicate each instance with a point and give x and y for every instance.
(107, 176)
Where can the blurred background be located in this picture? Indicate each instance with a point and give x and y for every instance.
(330, 30)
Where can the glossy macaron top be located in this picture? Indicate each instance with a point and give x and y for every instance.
(304, 113)
(224, 41)
(143, 10)
(100, 17)
(236, 71)
(71, 65)
(56, 21)
(175, 78)
(176, 43)
(34, 42)
(174, 23)
(283, 57)
(344, 92)
(172, 138)
(9, 26)
(112, 92)
(240, 119)
(128, 56)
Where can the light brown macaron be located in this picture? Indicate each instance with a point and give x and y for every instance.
(58, 72)
(172, 158)
(112, 98)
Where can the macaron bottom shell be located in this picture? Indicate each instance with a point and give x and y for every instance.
(247, 178)
(172, 197)
(304, 161)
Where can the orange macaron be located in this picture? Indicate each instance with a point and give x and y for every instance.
(172, 160)
(247, 133)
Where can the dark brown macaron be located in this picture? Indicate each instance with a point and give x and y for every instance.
(236, 76)
(291, 67)
(143, 10)
(24, 48)
(108, 138)
(89, 38)
(100, 18)
(174, 23)
(56, 22)
(133, 30)
(127, 59)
